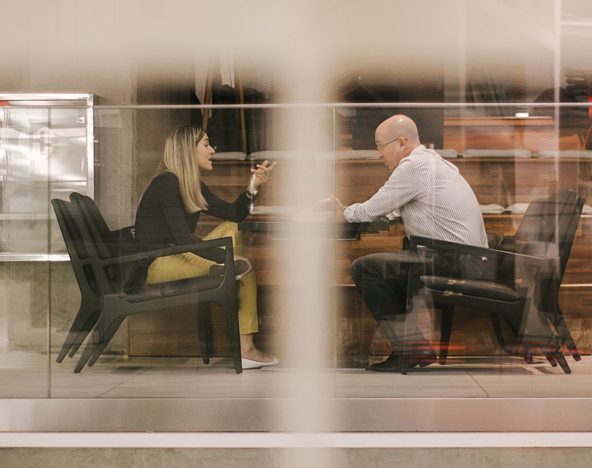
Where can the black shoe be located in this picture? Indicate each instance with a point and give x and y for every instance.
(391, 364)
(396, 363)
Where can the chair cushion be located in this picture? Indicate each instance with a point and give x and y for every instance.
(275, 155)
(295, 155)
(174, 288)
(475, 288)
(565, 154)
(229, 156)
(491, 208)
(447, 153)
(357, 154)
(517, 208)
(496, 153)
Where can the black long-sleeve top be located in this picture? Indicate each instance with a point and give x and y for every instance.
(162, 220)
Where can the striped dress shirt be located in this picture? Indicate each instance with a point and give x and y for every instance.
(431, 196)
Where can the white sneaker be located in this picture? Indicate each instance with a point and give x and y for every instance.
(250, 364)
(241, 268)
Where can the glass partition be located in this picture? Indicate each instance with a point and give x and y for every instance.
(528, 172)
(308, 303)
(46, 151)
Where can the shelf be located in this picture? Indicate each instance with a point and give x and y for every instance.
(33, 257)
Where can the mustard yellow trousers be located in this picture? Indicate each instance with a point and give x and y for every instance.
(189, 265)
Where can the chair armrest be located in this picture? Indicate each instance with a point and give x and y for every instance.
(124, 232)
(122, 241)
(140, 260)
(177, 249)
(532, 248)
(542, 264)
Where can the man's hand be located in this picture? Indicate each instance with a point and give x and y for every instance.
(330, 204)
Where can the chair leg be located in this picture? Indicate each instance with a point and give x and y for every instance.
(105, 328)
(560, 358)
(72, 336)
(93, 342)
(552, 351)
(85, 330)
(447, 312)
(111, 330)
(204, 330)
(548, 341)
(231, 310)
(565, 334)
(496, 322)
(81, 326)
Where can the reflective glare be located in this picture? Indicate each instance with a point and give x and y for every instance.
(298, 210)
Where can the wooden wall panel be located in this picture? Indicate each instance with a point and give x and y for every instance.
(355, 336)
(534, 134)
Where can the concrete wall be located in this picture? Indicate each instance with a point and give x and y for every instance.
(25, 286)
(112, 84)
(128, 146)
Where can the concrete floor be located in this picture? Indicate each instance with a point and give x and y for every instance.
(31, 375)
(267, 458)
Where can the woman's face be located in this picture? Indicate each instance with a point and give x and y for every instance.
(203, 153)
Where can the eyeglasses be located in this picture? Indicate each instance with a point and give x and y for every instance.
(379, 146)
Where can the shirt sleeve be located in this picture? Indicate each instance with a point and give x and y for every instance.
(400, 188)
(175, 216)
(235, 211)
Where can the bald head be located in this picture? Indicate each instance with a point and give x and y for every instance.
(399, 125)
(396, 138)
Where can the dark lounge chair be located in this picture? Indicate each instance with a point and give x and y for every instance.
(108, 280)
(121, 241)
(519, 279)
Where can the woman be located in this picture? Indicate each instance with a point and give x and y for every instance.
(168, 214)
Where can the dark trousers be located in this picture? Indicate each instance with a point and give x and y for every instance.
(382, 280)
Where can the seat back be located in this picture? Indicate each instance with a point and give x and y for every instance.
(96, 224)
(541, 218)
(551, 223)
(76, 240)
(70, 232)
(566, 232)
(105, 243)
(548, 230)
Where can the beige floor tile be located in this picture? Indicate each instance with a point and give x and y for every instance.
(419, 384)
(196, 380)
(25, 375)
(541, 381)
(19, 384)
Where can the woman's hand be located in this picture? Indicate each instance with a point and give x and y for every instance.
(262, 172)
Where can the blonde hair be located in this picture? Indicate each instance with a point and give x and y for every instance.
(179, 158)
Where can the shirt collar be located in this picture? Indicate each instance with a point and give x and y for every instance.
(418, 149)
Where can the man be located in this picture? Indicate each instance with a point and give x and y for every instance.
(434, 201)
